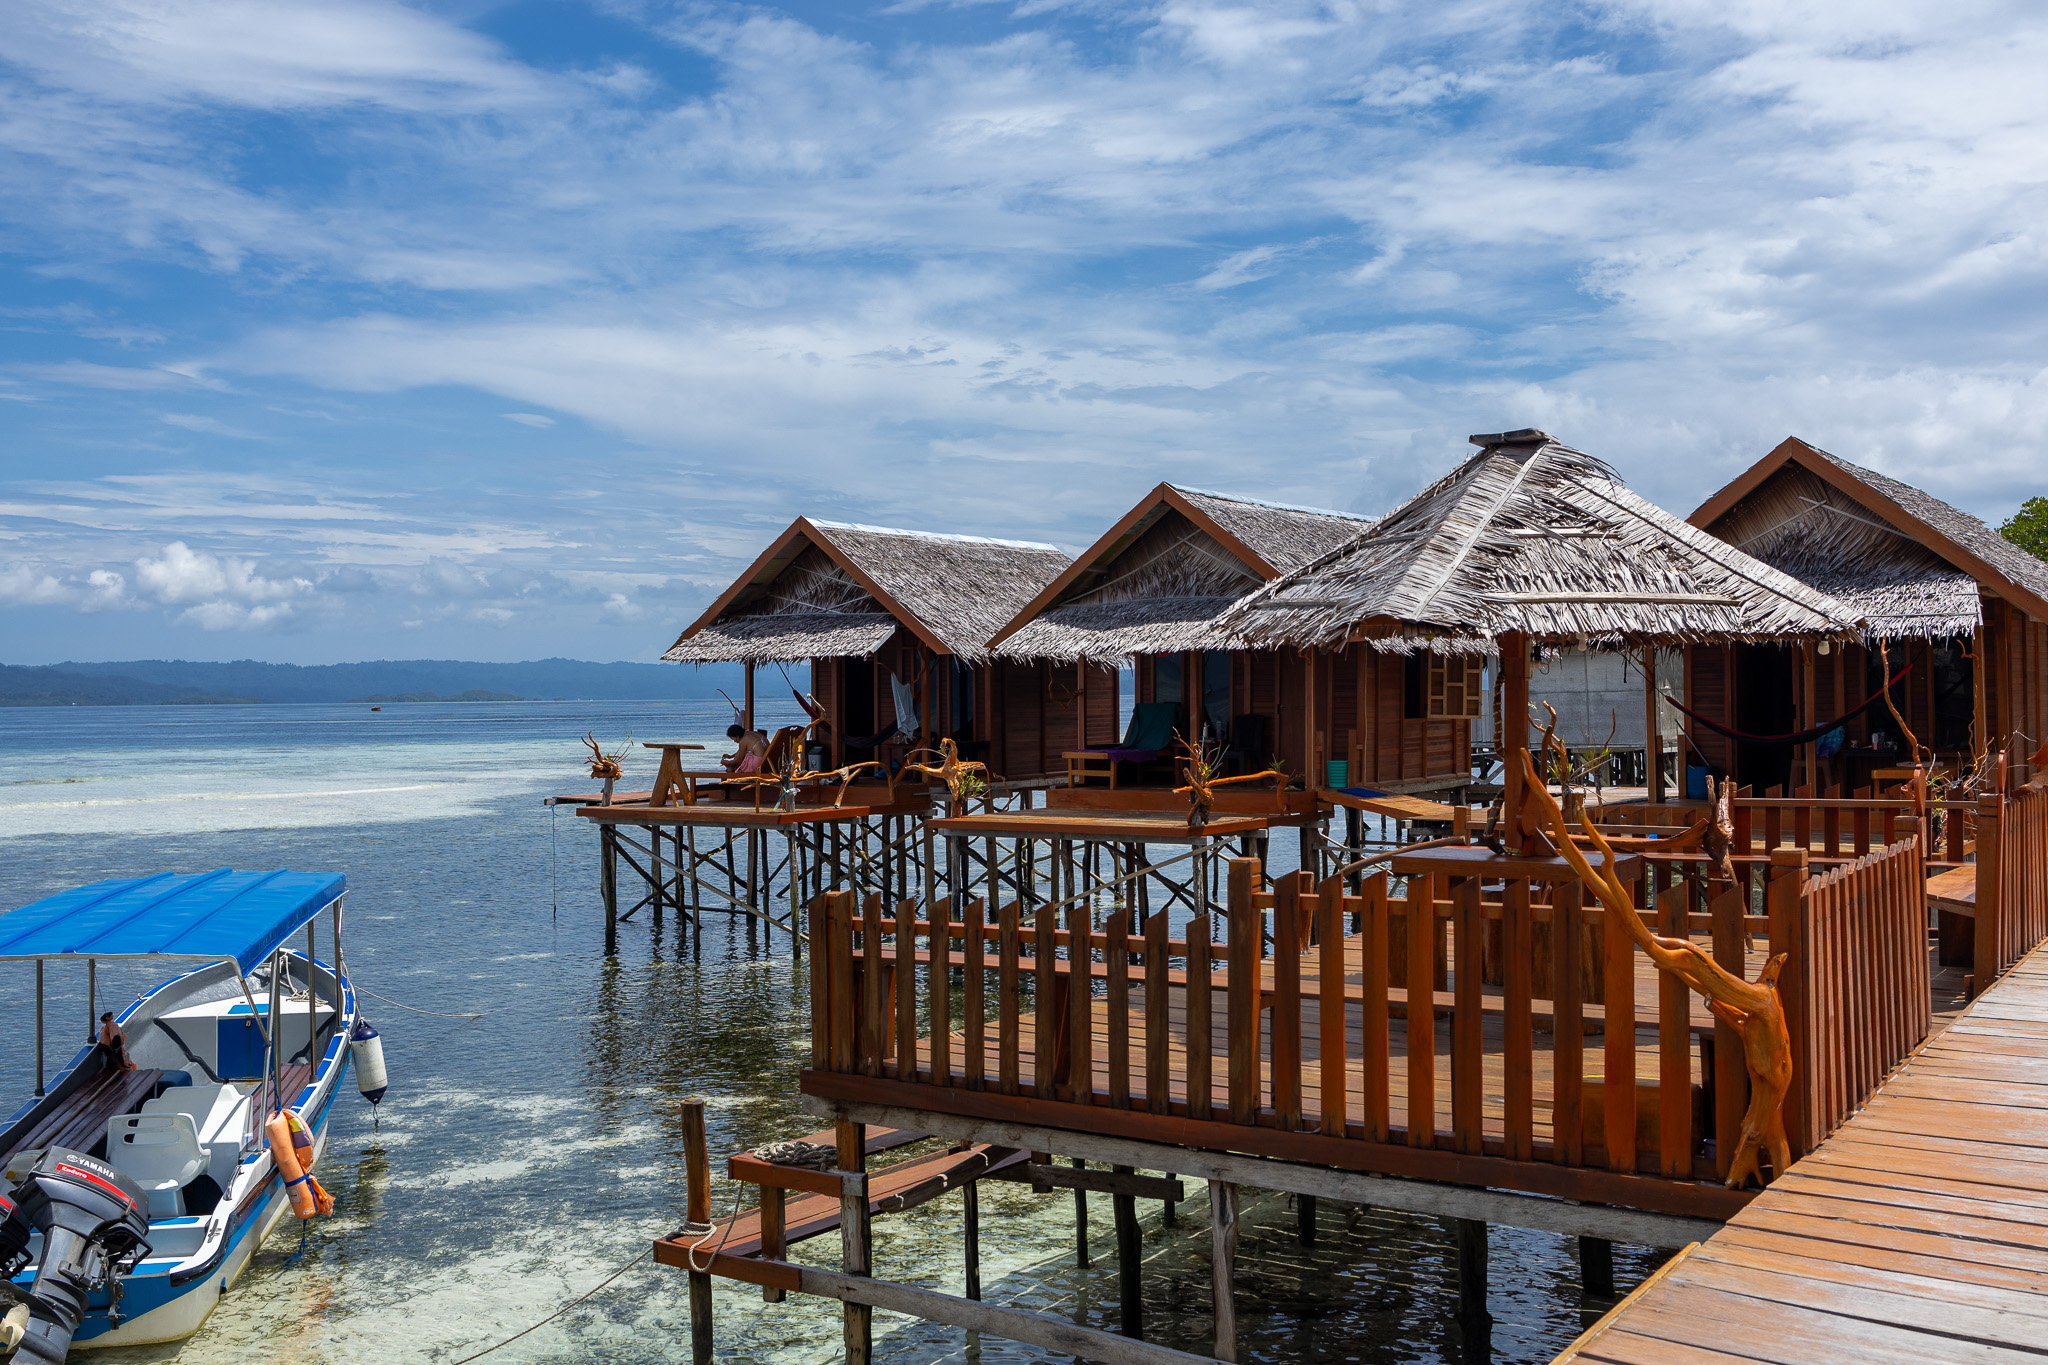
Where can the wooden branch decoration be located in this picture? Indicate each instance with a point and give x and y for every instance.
(1752, 1008)
(1202, 782)
(958, 774)
(602, 765)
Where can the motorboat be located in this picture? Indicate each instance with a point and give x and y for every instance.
(178, 1140)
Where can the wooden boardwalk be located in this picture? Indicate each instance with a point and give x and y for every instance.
(1918, 1232)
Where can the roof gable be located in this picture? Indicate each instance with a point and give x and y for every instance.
(1958, 538)
(1262, 539)
(948, 591)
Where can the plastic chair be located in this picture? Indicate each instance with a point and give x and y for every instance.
(159, 1152)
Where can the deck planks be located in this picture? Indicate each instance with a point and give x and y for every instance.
(1917, 1232)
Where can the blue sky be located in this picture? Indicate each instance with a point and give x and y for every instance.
(355, 330)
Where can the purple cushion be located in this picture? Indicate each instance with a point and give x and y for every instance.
(1122, 755)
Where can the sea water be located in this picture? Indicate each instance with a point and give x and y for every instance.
(522, 1158)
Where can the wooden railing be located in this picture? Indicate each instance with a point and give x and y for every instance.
(1830, 828)
(2012, 880)
(1855, 986)
(1542, 1074)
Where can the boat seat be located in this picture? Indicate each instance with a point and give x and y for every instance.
(79, 1120)
(217, 1112)
(159, 1152)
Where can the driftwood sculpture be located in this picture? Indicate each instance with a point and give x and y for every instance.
(1200, 767)
(962, 778)
(1752, 1008)
(605, 767)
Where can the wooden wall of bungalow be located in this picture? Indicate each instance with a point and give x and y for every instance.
(1946, 597)
(1951, 704)
(1016, 717)
(1371, 710)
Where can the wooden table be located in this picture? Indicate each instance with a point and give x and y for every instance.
(669, 778)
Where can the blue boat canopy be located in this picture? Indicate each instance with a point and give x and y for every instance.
(221, 916)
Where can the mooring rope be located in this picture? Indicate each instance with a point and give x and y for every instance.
(559, 1311)
(414, 1008)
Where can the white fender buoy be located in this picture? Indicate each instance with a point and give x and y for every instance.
(367, 1048)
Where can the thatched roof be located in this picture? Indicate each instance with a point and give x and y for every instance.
(1533, 536)
(828, 588)
(1909, 562)
(1798, 522)
(1157, 581)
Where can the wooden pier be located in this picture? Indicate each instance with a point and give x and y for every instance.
(1917, 1232)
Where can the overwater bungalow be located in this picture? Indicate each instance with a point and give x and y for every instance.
(1954, 607)
(893, 626)
(1489, 1020)
(1151, 590)
(1530, 538)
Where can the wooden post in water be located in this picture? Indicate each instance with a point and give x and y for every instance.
(1129, 1260)
(608, 883)
(1305, 1219)
(1472, 1272)
(1596, 1268)
(697, 1212)
(970, 1195)
(1223, 1265)
(853, 1237)
(1080, 1193)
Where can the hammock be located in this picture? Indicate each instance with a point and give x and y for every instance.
(1800, 736)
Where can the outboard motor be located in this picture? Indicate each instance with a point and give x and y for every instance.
(95, 1226)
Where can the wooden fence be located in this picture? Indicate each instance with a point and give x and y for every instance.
(1855, 985)
(1560, 1062)
(2012, 880)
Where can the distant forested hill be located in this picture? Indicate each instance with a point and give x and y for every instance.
(144, 682)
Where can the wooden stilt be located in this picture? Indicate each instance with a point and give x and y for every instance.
(1223, 1265)
(1596, 1268)
(970, 1194)
(654, 882)
(1305, 1219)
(774, 1231)
(608, 884)
(858, 1323)
(1080, 1215)
(697, 1210)
(1471, 1235)
(1129, 1261)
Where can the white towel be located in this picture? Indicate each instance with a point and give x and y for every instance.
(906, 707)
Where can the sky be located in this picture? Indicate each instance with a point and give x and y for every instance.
(357, 329)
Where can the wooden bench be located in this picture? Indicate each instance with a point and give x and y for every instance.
(79, 1120)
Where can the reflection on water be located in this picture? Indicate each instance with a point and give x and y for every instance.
(525, 1156)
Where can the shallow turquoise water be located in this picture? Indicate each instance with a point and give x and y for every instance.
(525, 1156)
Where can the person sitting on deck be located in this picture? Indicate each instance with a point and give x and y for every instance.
(114, 1039)
(753, 747)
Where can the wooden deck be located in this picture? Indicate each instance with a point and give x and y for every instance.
(1918, 1232)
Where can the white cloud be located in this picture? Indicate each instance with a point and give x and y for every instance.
(311, 53)
(947, 281)
(181, 574)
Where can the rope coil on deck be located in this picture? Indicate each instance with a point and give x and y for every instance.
(796, 1152)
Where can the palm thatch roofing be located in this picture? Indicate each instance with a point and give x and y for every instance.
(828, 588)
(1910, 564)
(1535, 537)
(1157, 581)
